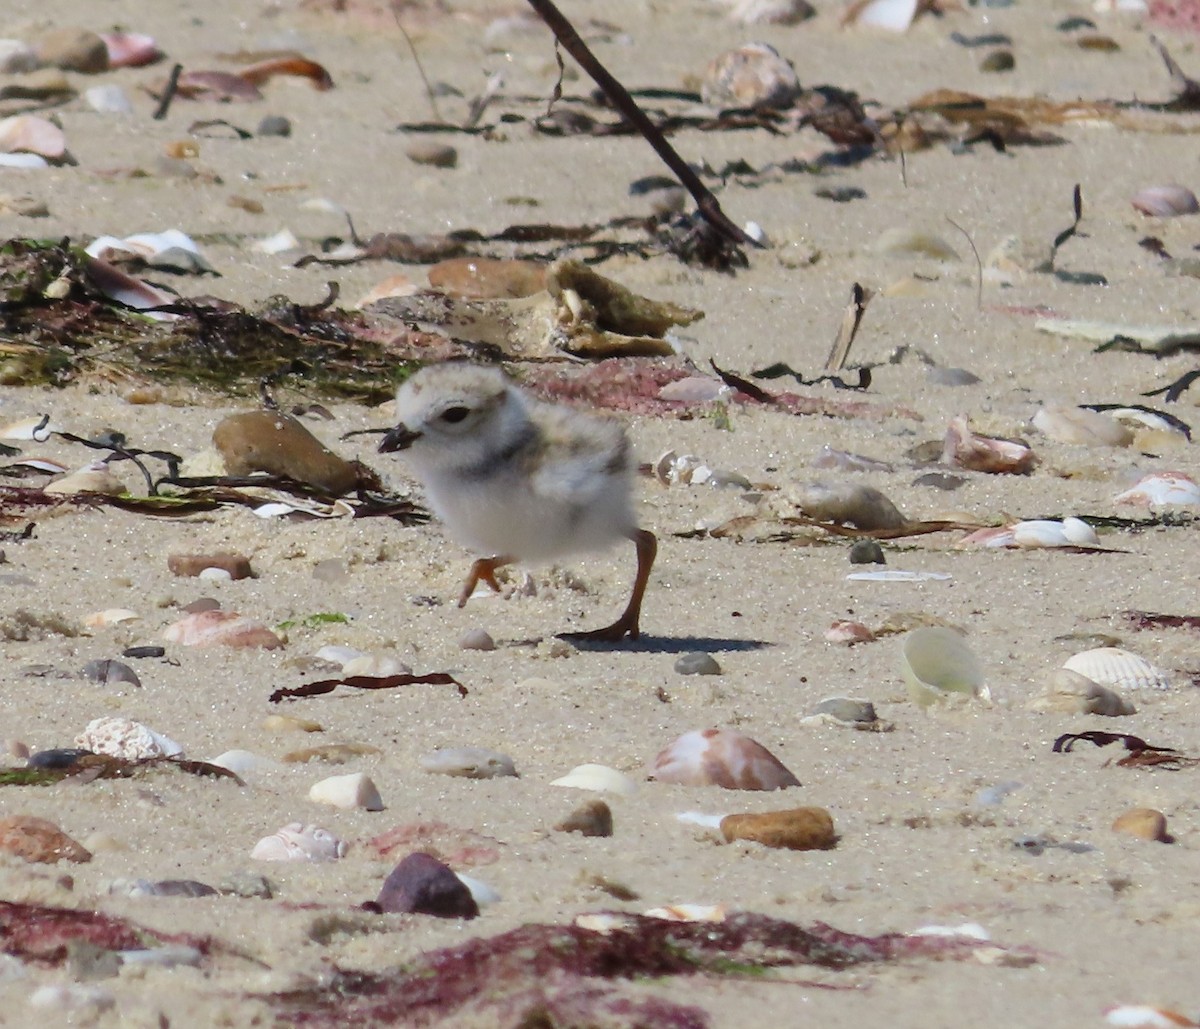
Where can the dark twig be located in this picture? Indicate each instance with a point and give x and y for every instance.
(706, 202)
(978, 262)
(168, 94)
(437, 115)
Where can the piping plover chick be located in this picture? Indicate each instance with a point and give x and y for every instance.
(517, 479)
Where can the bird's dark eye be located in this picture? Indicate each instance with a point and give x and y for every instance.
(454, 415)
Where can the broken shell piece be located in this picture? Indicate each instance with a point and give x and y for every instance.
(348, 792)
(801, 828)
(844, 631)
(1165, 201)
(278, 444)
(1047, 533)
(1118, 669)
(170, 249)
(29, 134)
(126, 739)
(963, 448)
(1143, 1016)
(107, 671)
(110, 616)
(754, 75)
(38, 428)
(1081, 426)
(227, 628)
(91, 478)
(890, 15)
(688, 913)
(469, 763)
(721, 757)
(937, 664)
(1161, 489)
(376, 665)
(299, 842)
(1072, 693)
(599, 778)
(671, 468)
(848, 503)
(243, 762)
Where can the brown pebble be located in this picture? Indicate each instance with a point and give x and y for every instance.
(1143, 822)
(268, 441)
(331, 753)
(181, 148)
(1102, 44)
(73, 49)
(202, 604)
(436, 155)
(192, 565)
(591, 819)
(485, 278)
(246, 204)
(35, 839)
(800, 828)
(421, 884)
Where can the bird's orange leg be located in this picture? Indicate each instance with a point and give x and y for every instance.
(484, 568)
(627, 624)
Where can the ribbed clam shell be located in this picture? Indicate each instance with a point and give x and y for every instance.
(1119, 669)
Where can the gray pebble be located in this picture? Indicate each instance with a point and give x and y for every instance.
(697, 663)
(940, 480)
(275, 125)
(867, 552)
(428, 152)
(846, 710)
(469, 763)
(476, 639)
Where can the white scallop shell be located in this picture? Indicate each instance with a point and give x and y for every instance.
(1119, 669)
(1160, 489)
(348, 792)
(599, 778)
(126, 739)
(299, 842)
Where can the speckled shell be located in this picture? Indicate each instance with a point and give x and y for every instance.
(126, 739)
(299, 842)
(721, 757)
(1119, 669)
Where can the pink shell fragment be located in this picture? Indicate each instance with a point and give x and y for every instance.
(130, 49)
(845, 631)
(963, 448)
(721, 757)
(29, 134)
(205, 628)
(1160, 489)
(299, 842)
(1165, 201)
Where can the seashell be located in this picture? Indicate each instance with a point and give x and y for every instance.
(936, 663)
(899, 575)
(38, 840)
(281, 242)
(468, 763)
(771, 12)
(603, 922)
(29, 134)
(91, 478)
(307, 507)
(599, 778)
(721, 757)
(1143, 1016)
(891, 15)
(844, 461)
(695, 389)
(993, 536)
(845, 631)
(1079, 533)
(130, 49)
(481, 892)
(688, 913)
(227, 628)
(847, 503)
(349, 792)
(672, 469)
(963, 448)
(268, 441)
(1118, 669)
(1039, 533)
(1165, 201)
(1144, 823)
(299, 842)
(753, 75)
(1081, 426)
(110, 616)
(1161, 489)
(697, 662)
(108, 99)
(801, 828)
(240, 762)
(421, 884)
(107, 671)
(126, 739)
(375, 665)
(336, 654)
(476, 639)
(130, 291)
(1076, 694)
(170, 249)
(290, 723)
(22, 161)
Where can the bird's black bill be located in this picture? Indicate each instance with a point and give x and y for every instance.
(399, 438)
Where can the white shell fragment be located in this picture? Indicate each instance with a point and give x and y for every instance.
(348, 792)
(1162, 489)
(299, 842)
(1075, 694)
(469, 763)
(1081, 426)
(688, 913)
(38, 429)
(126, 739)
(1070, 532)
(889, 15)
(169, 249)
(481, 892)
(937, 664)
(242, 762)
(1158, 339)
(599, 778)
(899, 575)
(1119, 669)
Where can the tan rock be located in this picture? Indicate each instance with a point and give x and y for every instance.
(36, 839)
(73, 49)
(432, 153)
(1143, 822)
(801, 828)
(593, 818)
(276, 443)
(488, 279)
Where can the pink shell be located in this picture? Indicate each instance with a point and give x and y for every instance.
(721, 757)
(845, 631)
(299, 842)
(993, 536)
(205, 628)
(1165, 201)
(1161, 488)
(130, 49)
(29, 134)
(963, 448)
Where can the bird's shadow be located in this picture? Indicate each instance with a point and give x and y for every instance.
(663, 644)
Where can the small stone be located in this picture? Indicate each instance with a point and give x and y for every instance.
(593, 818)
(37, 840)
(422, 884)
(867, 552)
(845, 709)
(331, 753)
(278, 444)
(225, 628)
(697, 662)
(998, 61)
(73, 49)
(192, 565)
(843, 630)
(802, 828)
(290, 723)
(106, 671)
(108, 99)
(476, 639)
(1145, 823)
(350, 792)
(469, 763)
(135, 653)
(483, 278)
(275, 125)
(431, 153)
(754, 75)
